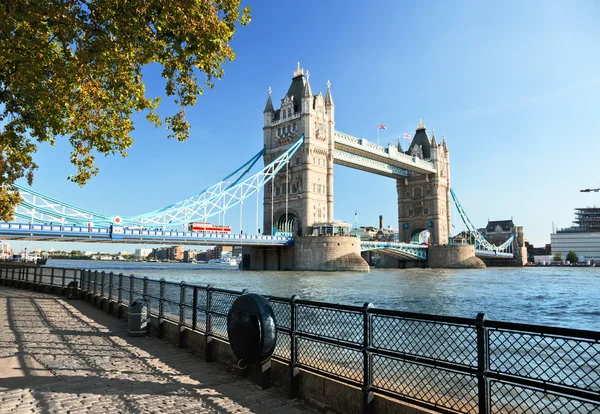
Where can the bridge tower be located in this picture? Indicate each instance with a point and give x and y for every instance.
(424, 200)
(308, 179)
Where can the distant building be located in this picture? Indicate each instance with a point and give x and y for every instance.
(237, 251)
(497, 232)
(190, 255)
(142, 253)
(583, 237)
(175, 253)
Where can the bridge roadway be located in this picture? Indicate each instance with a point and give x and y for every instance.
(53, 232)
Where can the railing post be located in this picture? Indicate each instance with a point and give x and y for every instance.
(51, 279)
(294, 369)
(95, 284)
(146, 303)
(89, 282)
(64, 277)
(195, 309)
(102, 279)
(161, 307)
(483, 363)
(120, 297)
(110, 286)
(208, 354)
(181, 315)
(34, 277)
(120, 292)
(131, 288)
(368, 397)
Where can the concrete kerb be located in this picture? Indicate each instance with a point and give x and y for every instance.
(321, 391)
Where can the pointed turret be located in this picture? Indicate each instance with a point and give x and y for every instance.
(307, 90)
(421, 138)
(434, 143)
(399, 146)
(444, 142)
(328, 98)
(269, 105)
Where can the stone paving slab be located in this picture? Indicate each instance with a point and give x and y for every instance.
(59, 356)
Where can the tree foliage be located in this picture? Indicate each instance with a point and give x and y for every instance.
(558, 257)
(572, 257)
(73, 68)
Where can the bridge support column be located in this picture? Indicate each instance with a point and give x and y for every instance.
(454, 257)
(322, 253)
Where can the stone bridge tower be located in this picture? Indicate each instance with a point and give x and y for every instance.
(424, 200)
(301, 194)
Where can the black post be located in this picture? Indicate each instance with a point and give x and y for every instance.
(51, 279)
(110, 287)
(161, 310)
(120, 292)
(131, 287)
(181, 315)
(64, 277)
(195, 309)
(294, 370)
(34, 277)
(146, 304)
(102, 280)
(483, 363)
(208, 354)
(111, 304)
(368, 397)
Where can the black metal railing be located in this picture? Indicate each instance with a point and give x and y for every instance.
(448, 364)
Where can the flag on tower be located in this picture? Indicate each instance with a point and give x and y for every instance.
(381, 126)
(407, 136)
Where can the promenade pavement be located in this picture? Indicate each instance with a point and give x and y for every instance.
(65, 356)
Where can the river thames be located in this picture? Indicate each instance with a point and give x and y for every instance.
(557, 296)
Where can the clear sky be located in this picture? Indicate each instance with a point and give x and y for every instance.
(515, 85)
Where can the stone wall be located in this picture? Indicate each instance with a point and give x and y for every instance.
(325, 253)
(453, 257)
(328, 253)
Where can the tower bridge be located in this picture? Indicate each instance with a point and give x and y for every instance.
(301, 146)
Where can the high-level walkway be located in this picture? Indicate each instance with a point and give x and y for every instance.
(65, 356)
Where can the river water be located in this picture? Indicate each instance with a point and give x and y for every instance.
(557, 296)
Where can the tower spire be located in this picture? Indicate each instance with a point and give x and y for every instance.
(269, 105)
(307, 90)
(434, 143)
(328, 97)
(299, 71)
(421, 125)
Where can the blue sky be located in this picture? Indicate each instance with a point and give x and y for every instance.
(514, 85)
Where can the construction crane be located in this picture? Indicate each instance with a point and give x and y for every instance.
(589, 190)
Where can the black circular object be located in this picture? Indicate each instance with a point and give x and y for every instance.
(251, 328)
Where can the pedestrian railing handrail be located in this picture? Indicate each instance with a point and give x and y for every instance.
(449, 364)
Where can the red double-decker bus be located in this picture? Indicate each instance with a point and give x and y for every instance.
(208, 228)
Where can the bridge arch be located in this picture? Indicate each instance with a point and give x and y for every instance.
(289, 223)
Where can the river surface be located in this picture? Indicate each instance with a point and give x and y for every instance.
(557, 296)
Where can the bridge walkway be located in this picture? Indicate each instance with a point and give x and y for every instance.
(65, 356)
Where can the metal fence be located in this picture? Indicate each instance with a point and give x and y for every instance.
(448, 364)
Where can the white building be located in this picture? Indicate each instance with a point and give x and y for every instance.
(585, 245)
(142, 253)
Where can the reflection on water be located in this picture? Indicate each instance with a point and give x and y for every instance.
(566, 297)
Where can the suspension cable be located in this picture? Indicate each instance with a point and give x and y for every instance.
(287, 191)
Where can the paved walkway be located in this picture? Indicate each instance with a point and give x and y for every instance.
(66, 356)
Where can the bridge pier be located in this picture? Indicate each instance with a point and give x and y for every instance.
(320, 253)
(453, 257)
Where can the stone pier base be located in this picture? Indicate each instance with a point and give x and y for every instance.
(324, 253)
(454, 257)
